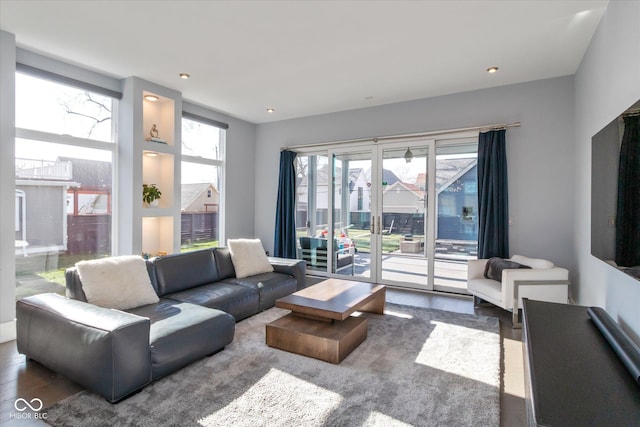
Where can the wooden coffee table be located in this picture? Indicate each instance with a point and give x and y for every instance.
(320, 324)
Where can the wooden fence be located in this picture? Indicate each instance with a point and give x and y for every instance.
(91, 234)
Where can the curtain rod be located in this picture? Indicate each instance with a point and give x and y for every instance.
(632, 112)
(376, 139)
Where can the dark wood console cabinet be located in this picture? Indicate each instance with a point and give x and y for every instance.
(572, 375)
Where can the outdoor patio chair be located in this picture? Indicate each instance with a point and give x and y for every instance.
(314, 251)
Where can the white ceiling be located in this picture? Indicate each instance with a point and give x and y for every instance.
(310, 57)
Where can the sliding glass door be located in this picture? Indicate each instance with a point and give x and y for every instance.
(456, 214)
(402, 225)
(352, 212)
(403, 214)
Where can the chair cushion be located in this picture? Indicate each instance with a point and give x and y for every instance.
(248, 257)
(488, 289)
(344, 260)
(495, 265)
(117, 282)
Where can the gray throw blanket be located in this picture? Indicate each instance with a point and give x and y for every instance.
(495, 265)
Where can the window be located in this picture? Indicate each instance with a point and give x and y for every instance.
(42, 105)
(64, 150)
(202, 183)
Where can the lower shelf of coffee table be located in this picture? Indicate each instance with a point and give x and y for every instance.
(328, 341)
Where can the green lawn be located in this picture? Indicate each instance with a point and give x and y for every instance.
(198, 245)
(362, 240)
(65, 261)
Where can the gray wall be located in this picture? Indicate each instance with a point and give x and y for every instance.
(606, 83)
(540, 153)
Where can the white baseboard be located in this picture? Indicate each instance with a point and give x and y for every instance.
(7, 331)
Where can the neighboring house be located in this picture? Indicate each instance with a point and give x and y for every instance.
(403, 197)
(456, 187)
(93, 195)
(201, 197)
(199, 204)
(358, 198)
(457, 201)
(41, 198)
(359, 189)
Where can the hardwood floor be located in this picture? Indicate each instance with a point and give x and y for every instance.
(29, 380)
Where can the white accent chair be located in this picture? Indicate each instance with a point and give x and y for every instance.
(543, 281)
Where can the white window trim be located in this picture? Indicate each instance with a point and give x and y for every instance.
(36, 135)
(222, 198)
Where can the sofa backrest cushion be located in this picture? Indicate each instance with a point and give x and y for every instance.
(74, 285)
(178, 272)
(224, 263)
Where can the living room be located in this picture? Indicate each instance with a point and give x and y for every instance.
(549, 154)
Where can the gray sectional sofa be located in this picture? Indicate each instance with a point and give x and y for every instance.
(115, 353)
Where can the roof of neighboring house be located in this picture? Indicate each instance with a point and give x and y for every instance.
(355, 173)
(190, 192)
(389, 177)
(411, 187)
(449, 170)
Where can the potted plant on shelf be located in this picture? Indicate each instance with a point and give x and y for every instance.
(150, 194)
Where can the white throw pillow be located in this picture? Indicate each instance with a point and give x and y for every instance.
(532, 262)
(248, 257)
(117, 282)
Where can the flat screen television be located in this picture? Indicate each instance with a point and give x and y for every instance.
(615, 193)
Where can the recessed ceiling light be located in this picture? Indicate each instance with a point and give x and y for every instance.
(151, 98)
(492, 70)
(270, 110)
(184, 76)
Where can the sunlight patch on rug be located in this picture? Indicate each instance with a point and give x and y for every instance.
(397, 314)
(452, 356)
(290, 401)
(379, 419)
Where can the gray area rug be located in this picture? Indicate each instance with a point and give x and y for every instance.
(417, 367)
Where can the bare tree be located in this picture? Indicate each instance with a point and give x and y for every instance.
(90, 107)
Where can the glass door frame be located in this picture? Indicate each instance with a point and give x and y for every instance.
(429, 216)
(376, 148)
(362, 148)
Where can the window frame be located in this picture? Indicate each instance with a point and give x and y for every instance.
(74, 141)
(220, 163)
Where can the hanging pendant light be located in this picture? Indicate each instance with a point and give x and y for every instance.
(408, 156)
